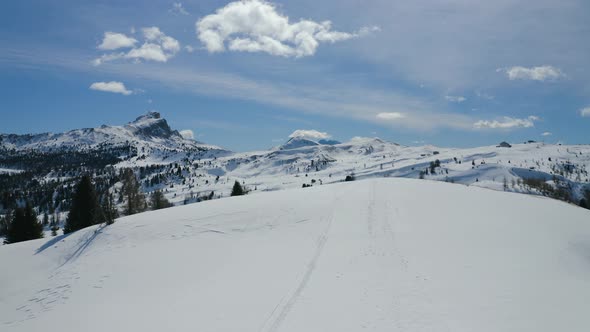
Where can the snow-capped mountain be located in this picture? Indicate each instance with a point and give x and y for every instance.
(147, 131)
(299, 142)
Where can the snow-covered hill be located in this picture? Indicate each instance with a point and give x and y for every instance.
(377, 255)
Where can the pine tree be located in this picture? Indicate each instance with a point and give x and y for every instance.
(132, 193)
(585, 201)
(4, 223)
(84, 209)
(53, 226)
(237, 190)
(24, 226)
(108, 208)
(158, 201)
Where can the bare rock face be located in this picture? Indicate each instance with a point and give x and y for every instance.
(152, 125)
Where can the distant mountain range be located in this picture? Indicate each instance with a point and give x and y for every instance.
(40, 165)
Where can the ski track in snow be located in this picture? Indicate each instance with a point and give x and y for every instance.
(275, 323)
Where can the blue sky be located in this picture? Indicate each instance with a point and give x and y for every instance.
(246, 74)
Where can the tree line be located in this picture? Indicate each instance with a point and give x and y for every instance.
(87, 207)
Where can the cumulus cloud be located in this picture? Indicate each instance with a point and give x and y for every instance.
(256, 26)
(390, 116)
(113, 86)
(178, 9)
(112, 41)
(157, 46)
(455, 99)
(309, 134)
(585, 112)
(507, 123)
(546, 134)
(187, 134)
(542, 73)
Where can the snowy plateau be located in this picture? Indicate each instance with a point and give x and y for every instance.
(418, 242)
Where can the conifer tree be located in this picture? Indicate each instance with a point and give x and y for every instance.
(237, 189)
(24, 226)
(84, 209)
(4, 222)
(158, 201)
(54, 225)
(132, 193)
(108, 208)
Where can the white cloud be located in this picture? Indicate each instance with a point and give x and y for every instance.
(187, 134)
(107, 57)
(178, 8)
(309, 134)
(390, 116)
(113, 41)
(256, 26)
(148, 51)
(546, 134)
(114, 87)
(585, 112)
(157, 46)
(542, 73)
(507, 123)
(153, 34)
(189, 48)
(455, 99)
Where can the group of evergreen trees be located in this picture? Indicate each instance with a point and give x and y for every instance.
(23, 225)
(87, 208)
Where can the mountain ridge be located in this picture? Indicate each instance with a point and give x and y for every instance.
(147, 130)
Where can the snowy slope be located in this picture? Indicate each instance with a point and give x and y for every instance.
(379, 255)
